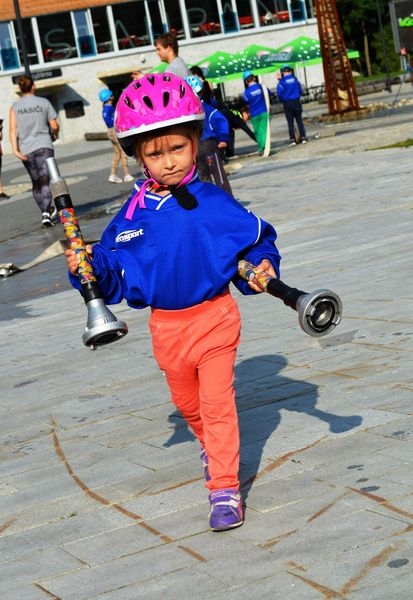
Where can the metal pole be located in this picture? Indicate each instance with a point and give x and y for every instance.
(383, 43)
(21, 36)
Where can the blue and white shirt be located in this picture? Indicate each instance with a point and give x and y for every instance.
(171, 258)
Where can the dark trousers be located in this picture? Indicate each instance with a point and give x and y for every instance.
(36, 167)
(293, 111)
(235, 122)
(210, 165)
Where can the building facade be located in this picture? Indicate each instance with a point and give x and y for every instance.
(89, 44)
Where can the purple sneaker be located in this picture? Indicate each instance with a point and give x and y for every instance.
(226, 510)
(204, 460)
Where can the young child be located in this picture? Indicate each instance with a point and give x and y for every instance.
(214, 137)
(175, 246)
(108, 113)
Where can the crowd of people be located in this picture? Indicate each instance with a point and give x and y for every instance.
(33, 124)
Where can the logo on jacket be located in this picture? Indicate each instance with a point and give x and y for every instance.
(127, 236)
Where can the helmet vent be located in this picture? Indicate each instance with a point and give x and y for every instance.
(166, 97)
(148, 102)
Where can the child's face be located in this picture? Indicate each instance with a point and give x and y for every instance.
(169, 158)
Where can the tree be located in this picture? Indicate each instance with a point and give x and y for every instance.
(361, 29)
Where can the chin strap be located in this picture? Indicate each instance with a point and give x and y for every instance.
(180, 192)
(184, 197)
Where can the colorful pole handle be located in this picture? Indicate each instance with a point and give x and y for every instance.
(102, 326)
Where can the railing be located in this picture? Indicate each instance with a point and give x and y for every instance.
(314, 93)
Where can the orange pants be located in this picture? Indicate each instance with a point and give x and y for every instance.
(196, 347)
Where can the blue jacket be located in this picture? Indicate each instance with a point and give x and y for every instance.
(289, 88)
(216, 126)
(108, 114)
(254, 97)
(171, 258)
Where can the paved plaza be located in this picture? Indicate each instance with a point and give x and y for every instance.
(101, 486)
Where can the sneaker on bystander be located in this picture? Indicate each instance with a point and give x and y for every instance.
(115, 179)
(46, 220)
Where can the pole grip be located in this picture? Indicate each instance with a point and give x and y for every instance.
(102, 326)
(270, 284)
(72, 231)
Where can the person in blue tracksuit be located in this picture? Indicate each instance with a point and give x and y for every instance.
(289, 92)
(254, 97)
(215, 137)
(174, 246)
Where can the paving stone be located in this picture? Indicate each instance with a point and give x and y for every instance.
(102, 495)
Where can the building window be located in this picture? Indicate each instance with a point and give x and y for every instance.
(203, 17)
(174, 20)
(131, 25)
(229, 17)
(136, 23)
(272, 12)
(9, 58)
(101, 29)
(309, 4)
(85, 40)
(245, 14)
(58, 42)
(298, 10)
(29, 42)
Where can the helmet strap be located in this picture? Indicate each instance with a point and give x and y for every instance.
(184, 196)
(180, 192)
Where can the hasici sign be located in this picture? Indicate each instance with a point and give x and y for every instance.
(401, 12)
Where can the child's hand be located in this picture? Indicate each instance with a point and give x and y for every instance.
(73, 259)
(265, 267)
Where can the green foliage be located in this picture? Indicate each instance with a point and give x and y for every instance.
(359, 21)
(403, 144)
(383, 56)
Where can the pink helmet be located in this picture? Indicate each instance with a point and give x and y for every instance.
(152, 102)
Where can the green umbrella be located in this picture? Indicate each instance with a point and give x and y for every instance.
(220, 66)
(159, 68)
(223, 66)
(303, 51)
(258, 58)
